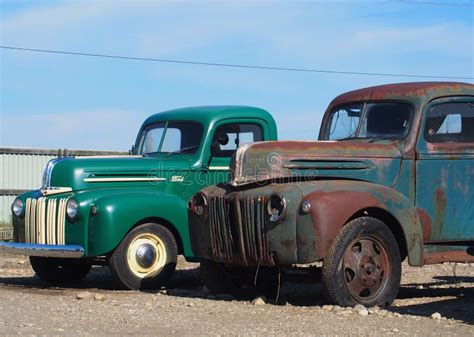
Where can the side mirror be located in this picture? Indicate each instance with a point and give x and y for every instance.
(132, 150)
(223, 139)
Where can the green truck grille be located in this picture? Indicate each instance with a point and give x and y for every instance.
(45, 221)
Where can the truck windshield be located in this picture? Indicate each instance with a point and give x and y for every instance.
(379, 120)
(171, 138)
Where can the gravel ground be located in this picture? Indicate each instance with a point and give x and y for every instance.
(29, 306)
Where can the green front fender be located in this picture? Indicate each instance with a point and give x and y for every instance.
(118, 214)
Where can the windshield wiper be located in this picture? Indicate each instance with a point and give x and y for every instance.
(351, 137)
(382, 138)
(148, 154)
(183, 149)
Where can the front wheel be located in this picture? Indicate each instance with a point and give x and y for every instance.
(145, 259)
(362, 265)
(58, 270)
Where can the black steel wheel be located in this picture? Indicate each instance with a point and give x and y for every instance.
(363, 265)
(58, 270)
(145, 259)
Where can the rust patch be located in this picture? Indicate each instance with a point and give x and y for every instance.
(409, 91)
(331, 211)
(425, 220)
(460, 256)
(440, 207)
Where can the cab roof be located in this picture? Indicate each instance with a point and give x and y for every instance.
(416, 92)
(209, 114)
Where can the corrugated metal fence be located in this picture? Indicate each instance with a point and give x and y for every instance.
(22, 169)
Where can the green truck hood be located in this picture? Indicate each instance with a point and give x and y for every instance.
(375, 162)
(98, 172)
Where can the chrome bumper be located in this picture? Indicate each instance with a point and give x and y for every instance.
(65, 251)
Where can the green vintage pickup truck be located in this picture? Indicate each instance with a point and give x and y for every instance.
(130, 212)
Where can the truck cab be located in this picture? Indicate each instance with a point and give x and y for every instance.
(130, 212)
(391, 177)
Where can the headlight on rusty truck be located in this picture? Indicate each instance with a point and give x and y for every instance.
(18, 207)
(198, 204)
(71, 208)
(276, 207)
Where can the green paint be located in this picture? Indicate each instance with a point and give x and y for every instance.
(158, 185)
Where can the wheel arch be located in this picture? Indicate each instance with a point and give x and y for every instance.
(390, 221)
(336, 203)
(165, 223)
(118, 214)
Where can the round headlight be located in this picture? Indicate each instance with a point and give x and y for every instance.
(276, 207)
(17, 207)
(71, 208)
(199, 204)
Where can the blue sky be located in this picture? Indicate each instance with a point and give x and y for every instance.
(59, 101)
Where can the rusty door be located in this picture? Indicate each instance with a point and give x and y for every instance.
(445, 169)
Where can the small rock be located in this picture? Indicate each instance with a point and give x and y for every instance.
(397, 315)
(363, 312)
(327, 307)
(436, 316)
(83, 295)
(359, 307)
(395, 330)
(163, 292)
(190, 304)
(21, 262)
(260, 300)
(99, 297)
(345, 312)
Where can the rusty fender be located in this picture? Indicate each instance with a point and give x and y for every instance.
(335, 203)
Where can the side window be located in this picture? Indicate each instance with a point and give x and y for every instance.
(227, 138)
(450, 122)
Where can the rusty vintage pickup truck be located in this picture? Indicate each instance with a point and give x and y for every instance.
(391, 177)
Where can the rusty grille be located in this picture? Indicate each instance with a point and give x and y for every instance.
(238, 229)
(45, 221)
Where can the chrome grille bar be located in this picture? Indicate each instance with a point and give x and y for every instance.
(45, 221)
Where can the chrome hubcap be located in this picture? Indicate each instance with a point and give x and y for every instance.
(146, 255)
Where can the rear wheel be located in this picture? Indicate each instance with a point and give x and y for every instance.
(362, 265)
(239, 282)
(146, 257)
(57, 270)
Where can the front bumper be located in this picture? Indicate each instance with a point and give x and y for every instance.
(64, 251)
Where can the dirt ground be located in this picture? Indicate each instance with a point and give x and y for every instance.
(29, 306)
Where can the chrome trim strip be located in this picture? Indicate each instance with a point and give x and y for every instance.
(61, 221)
(55, 190)
(33, 221)
(69, 251)
(216, 168)
(109, 156)
(108, 180)
(27, 220)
